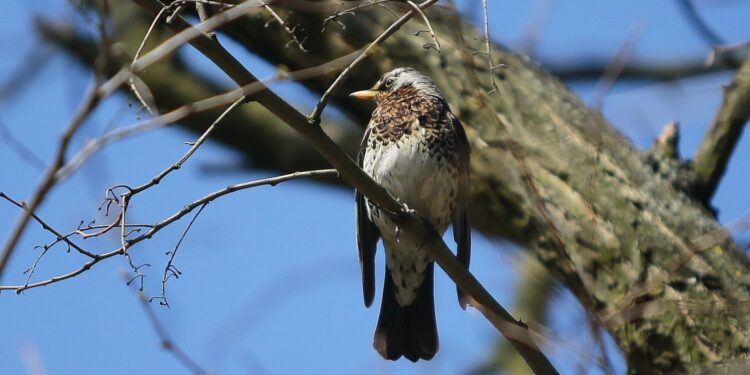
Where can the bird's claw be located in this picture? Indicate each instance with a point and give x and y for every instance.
(405, 208)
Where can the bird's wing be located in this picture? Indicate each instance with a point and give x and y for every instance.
(461, 226)
(367, 235)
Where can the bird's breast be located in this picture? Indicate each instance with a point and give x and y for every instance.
(416, 174)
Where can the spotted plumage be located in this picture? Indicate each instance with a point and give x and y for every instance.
(415, 148)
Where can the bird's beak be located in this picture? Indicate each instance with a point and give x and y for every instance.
(364, 94)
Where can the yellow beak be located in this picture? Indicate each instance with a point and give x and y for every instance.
(364, 94)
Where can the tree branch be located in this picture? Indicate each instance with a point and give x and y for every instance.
(260, 136)
(153, 229)
(534, 292)
(710, 161)
(48, 180)
(165, 339)
(585, 68)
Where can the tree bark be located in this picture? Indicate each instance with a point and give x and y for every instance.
(655, 268)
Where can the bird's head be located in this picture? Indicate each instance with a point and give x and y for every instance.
(399, 80)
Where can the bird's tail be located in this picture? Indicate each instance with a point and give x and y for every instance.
(408, 331)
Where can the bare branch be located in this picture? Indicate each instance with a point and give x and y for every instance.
(237, 95)
(170, 270)
(173, 10)
(736, 51)
(490, 65)
(165, 339)
(200, 8)
(273, 181)
(131, 81)
(585, 68)
(710, 161)
(699, 24)
(178, 164)
(286, 28)
(47, 227)
(426, 20)
(352, 10)
(49, 180)
(24, 152)
(614, 68)
(709, 35)
(529, 38)
(34, 61)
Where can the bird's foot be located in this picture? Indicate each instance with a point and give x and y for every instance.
(405, 211)
(408, 211)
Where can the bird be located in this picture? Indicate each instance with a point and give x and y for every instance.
(416, 148)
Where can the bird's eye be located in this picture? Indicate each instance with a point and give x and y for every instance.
(389, 82)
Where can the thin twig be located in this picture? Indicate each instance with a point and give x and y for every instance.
(351, 11)
(490, 64)
(200, 8)
(46, 226)
(170, 270)
(286, 28)
(426, 20)
(24, 152)
(31, 65)
(178, 164)
(529, 39)
(615, 66)
(105, 44)
(30, 271)
(177, 8)
(251, 89)
(176, 13)
(272, 181)
(314, 117)
(103, 230)
(196, 32)
(165, 339)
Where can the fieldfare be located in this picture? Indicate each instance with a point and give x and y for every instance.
(417, 150)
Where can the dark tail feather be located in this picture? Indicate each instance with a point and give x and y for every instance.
(408, 331)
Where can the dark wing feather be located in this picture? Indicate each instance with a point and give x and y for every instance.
(461, 225)
(367, 236)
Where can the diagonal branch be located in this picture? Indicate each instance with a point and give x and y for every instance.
(60, 236)
(166, 340)
(710, 161)
(48, 180)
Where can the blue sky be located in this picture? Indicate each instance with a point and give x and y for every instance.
(270, 280)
